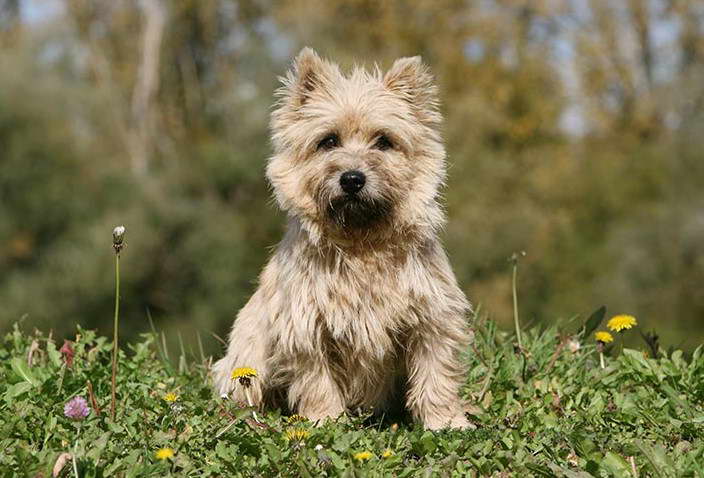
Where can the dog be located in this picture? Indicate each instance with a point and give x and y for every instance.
(358, 308)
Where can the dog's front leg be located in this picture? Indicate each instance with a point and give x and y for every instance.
(435, 374)
(314, 393)
(248, 347)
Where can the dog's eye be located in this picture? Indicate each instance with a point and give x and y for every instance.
(383, 143)
(329, 142)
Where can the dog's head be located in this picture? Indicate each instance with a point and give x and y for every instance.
(358, 155)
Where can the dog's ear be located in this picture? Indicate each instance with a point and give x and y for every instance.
(308, 73)
(410, 79)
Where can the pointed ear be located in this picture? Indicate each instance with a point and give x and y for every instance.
(410, 79)
(308, 73)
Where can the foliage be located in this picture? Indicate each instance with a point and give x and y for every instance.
(573, 132)
(550, 412)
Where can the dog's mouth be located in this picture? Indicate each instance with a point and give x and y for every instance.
(354, 212)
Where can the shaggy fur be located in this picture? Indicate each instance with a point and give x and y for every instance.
(359, 302)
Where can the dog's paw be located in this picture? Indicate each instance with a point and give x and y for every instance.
(319, 418)
(221, 371)
(458, 421)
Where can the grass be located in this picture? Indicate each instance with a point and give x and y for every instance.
(548, 411)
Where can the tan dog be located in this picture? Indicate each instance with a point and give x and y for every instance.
(359, 302)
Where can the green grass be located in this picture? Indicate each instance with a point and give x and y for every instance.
(553, 413)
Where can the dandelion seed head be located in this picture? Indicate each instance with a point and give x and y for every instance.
(118, 236)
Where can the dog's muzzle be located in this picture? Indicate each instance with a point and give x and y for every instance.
(357, 212)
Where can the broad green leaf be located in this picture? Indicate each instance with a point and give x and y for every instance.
(655, 454)
(616, 465)
(591, 324)
(639, 362)
(20, 367)
(16, 390)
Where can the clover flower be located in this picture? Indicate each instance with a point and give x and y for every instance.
(363, 455)
(76, 408)
(170, 397)
(244, 375)
(296, 434)
(164, 453)
(603, 337)
(619, 322)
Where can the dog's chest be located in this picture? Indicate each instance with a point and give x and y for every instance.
(363, 299)
(351, 305)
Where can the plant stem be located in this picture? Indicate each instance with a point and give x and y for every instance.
(229, 425)
(250, 403)
(75, 466)
(115, 333)
(515, 305)
(632, 459)
(601, 359)
(75, 451)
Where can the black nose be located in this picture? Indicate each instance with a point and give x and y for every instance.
(352, 181)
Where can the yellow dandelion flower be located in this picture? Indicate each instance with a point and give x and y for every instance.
(619, 322)
(164, 453)
(363, 455)
(387, 453)
(244, 375)
(296, 419)
(170, 397)
(296, 434)
(603, 337)
(243, 372)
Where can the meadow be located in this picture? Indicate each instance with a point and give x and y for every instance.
(573, 132)
(549, 409)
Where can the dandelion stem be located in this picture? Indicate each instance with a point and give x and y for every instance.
(250, 403)
(601, 359)
(632, 460)
(514, 260)
(115, 332)
(229, 425)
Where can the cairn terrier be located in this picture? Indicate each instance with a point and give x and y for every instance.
(358, 307)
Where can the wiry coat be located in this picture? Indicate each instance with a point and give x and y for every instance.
(359, 301)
